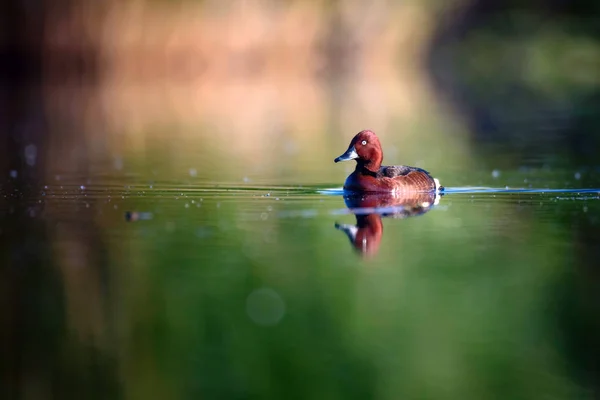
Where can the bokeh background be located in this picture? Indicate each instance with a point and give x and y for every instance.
(266, 93)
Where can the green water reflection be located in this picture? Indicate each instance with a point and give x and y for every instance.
(252, 293)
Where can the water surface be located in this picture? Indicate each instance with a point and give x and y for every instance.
(243, 291)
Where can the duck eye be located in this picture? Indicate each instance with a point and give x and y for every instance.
(364, 142)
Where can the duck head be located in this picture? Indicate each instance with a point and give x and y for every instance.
(366, 235)
(365, 149)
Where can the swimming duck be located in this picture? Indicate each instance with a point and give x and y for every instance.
(371, 176)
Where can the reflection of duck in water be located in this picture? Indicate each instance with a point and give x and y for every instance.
(366, 235)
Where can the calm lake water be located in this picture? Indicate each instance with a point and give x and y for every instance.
(141, 288)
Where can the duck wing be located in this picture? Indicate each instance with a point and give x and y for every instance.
(392, 171)
(409, 178)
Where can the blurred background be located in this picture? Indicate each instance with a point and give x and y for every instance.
(101, 98)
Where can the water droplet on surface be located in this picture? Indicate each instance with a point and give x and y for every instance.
(265, 307)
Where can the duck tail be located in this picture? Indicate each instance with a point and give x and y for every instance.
(438, 188)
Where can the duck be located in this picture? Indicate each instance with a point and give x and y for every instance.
(371, 176)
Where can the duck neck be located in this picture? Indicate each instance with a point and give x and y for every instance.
(369, 167)
(368, 236)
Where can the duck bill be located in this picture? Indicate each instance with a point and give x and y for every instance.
(348, 229)
(350, 154)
